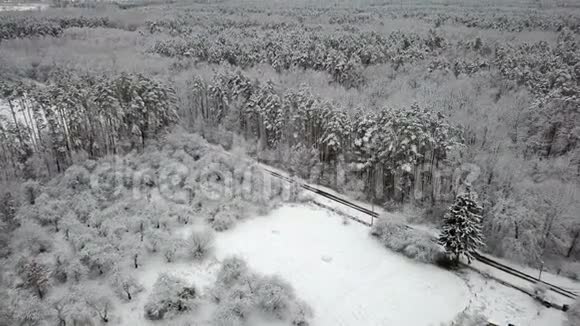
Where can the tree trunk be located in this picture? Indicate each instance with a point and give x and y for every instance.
(573, 245)
(456, 260)
(553, 133)
(141, 230)
(15, 123)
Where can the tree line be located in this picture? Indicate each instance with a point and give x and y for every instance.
(45, 127)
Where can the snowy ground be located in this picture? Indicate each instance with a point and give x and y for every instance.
(347, 277)
(558, 280)
(502, 305)
(520, 283)
(23, 6)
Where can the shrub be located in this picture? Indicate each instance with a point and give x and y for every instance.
(540, 291)
(274, 296)
(240, 293)
(170, 295)
(445, 261)
(222, 221)
(226, 315)
(435, 213)
(232, 270)
(170, 249)
(571, 270)
(574, 314)
(201, 243)
(32, 238)
(300, 313)
(76, 177)
(125, 286)
(470, 319)
(410, 242)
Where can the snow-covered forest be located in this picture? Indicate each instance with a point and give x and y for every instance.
(138, 140)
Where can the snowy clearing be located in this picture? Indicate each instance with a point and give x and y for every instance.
(23, 6)
(339, 208)
(503, 305)
(347, 277)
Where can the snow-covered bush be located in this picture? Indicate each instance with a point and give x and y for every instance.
(201, 243)
(235, 304)
(155, 238)
(424, 250)
(170, 248)
(434, 213)
(71, 309)
(228, 314)
(76, 178)
(35, 276)
(445, 261)
(232, 270)
(540, 291)
(392, 234)
(274, 296)
(26, 309)
(466, 318)
(222, 221)
(170, 295)
(125, 286)
(574, 314)
(31, 190)
(239, 292)
(69, 268)
(31, 237)
(300, 313)
(412, 243)
(571, 270)
(99, 300)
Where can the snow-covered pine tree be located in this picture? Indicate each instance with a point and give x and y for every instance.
(462, 228)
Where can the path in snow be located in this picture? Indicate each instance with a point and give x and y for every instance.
(345, 275)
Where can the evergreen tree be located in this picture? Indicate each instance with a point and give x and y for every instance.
(462, 228)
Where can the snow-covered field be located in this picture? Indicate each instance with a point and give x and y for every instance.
(347, 277)
(547, 276)
(23, 6)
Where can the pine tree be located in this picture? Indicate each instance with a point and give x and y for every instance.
(462, 228)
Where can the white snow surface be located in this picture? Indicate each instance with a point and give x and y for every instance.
(347, 277)
(558, 280)
(22, 6)
(503, 305)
